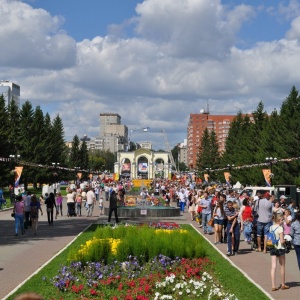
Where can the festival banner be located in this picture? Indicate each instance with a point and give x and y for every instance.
(267, 173)
(126, 167)
(18, 172)
(79, 175)
(206, 177)
(227, 178)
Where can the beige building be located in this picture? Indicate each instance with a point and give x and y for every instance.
(113, 135)
(182, 152)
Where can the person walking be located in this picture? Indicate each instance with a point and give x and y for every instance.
(50, 204)
(101, 206)
(70, 202)
(78, 201)
(218, 215)
(113, 206)
(90, 201)
(35, 206)
(19, 214)
(1, 198)
(278, 252)
(246, 220)
(233, 228)
(26, 201)
(295, 234)
(264, 208)
(205, 203)
(59, 201)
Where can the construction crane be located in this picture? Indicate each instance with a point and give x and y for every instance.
(169, 150)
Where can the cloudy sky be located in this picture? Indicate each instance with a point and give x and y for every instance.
(154, 61)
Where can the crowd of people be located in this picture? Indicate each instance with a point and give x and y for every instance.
(229, 215)
(218, 210)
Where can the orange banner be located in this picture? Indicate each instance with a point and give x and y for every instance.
(267, 175)
(206, 177)
(18, 172)
(227, 178)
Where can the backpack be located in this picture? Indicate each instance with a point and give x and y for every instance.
(34, 211)
(271, 238)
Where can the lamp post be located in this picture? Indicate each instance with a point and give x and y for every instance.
(208, 170)
(55, 164)
(13, 159)
(145, 129)
(271, 161)
(76, 170)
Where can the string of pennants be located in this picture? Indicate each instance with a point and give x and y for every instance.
(23, 163)
(3, 159)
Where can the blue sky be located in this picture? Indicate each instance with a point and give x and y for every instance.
(87, 19)
(154, 62)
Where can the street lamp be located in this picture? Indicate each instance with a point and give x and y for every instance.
(208, 170)
(271, 161)
(13, 159)
(228, 176)
(76, 170)
(145, 129)
(55, 164)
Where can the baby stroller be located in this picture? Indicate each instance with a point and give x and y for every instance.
(288, 243)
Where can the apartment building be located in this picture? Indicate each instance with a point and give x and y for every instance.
(197, 124)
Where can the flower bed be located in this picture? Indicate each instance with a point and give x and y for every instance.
(138, 262)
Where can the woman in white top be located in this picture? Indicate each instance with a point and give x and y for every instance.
(70, 202)
(218, 215)
(278, 252)
(277, 209)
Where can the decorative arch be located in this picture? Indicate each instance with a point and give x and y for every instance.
(143, 156)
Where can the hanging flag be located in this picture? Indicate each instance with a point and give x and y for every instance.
(79, 175)
(91, 176)
(18, 172)
(206, 177)
(227, 178)
(267, 175)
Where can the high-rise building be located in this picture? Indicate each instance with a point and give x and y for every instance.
(182, 152)
(196, 126)
(113, 135)
(10, 91)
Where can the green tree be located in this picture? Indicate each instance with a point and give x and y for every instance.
(25, 141)
(203, 155)
(84, 156)
(4, 149)
(75, 158)
(13, 116)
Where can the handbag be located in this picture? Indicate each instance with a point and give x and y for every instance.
(210, 222)
(13, 214)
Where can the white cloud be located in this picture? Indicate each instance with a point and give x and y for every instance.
(184, 54)
(30, 38)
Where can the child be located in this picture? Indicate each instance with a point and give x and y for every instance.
(101, 206)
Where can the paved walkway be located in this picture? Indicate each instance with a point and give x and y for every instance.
(21, 255)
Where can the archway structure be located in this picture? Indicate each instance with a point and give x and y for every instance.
(142, 164)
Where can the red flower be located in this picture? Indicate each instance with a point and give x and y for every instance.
(120, 287)
(93, 292)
